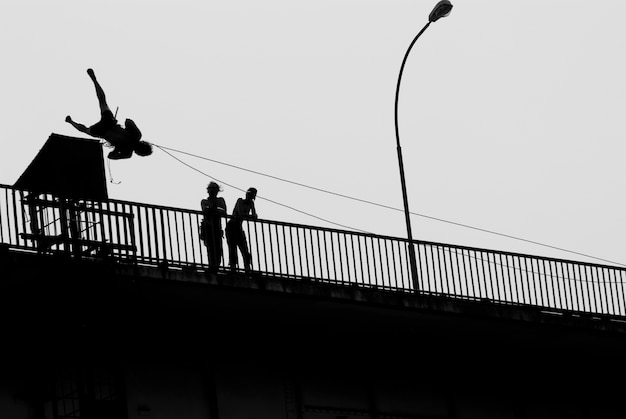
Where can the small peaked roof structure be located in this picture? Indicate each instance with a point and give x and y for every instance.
(68, 167)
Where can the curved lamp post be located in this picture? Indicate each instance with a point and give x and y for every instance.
(441, 9)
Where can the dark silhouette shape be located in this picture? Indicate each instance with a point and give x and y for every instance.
(211, 233)
(125, 139)
(235, 237)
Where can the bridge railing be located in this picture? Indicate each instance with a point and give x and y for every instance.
(155, 235)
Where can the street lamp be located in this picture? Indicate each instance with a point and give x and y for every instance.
(441, 9)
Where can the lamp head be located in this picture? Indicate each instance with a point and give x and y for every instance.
(441, 9)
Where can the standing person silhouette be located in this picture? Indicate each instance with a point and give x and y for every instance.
(125, 140)
(235, 236)
(213, 209)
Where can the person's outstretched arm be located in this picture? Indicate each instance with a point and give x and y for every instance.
(253, 211)
(76, 125)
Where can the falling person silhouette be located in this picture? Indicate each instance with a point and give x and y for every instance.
(125, 139)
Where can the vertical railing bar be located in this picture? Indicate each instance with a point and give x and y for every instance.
(567, 285)
(341, 274)
(519, 279)
(350, 262)
(557, 280)
(439, 252)
(593, 303)
(12, 215)
(447, 267)
(554, 270)
(15, 222)
(6, 202)
(140, 229)
(507, 273)
(368, 253)
(525, 282)
(299, 250)
(376, 255)
(564, 279)
(361, 258)
(328, 243)
(580, 282)
(109, 223)
(555, 285)
(332, 251)
(548, 276)
(155, 243)
(169, 236)
(541, 269)
(278, 230)
(464, 284)
(293, 250)
(185, 248)
(115, 227)
(612, 298)
(172, 236)
(575, 283)
(501, 279)
(622, 310)
(481, 274)
(515, 279)
(344, 261)
(394, 266)
(619, 289)
(391, 286)
(356, 274)
(610, 287)
(188, 244)
(125, 225)
(602, 295)
(429, 265)
(493, 274)
(458, 273)
(268, 228)
(536, 274)
(314, 252)
(591, 282)
(24, 241)
(474, 273)
(308, 258)
(606, 293)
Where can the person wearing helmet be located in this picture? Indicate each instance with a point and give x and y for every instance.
(235, 236)
(125, 139)
(211, 233)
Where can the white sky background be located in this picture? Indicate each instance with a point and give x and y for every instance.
(511, 113)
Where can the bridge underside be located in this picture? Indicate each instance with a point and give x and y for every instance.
(58, 311)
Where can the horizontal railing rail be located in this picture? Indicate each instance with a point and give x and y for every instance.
(164, 236)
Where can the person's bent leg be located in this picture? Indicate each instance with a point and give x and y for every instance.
(102, 102)
(245, 253)
(231, 241)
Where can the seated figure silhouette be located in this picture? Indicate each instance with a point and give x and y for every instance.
(125, 139)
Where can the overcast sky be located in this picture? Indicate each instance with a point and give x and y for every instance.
(511, 114)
